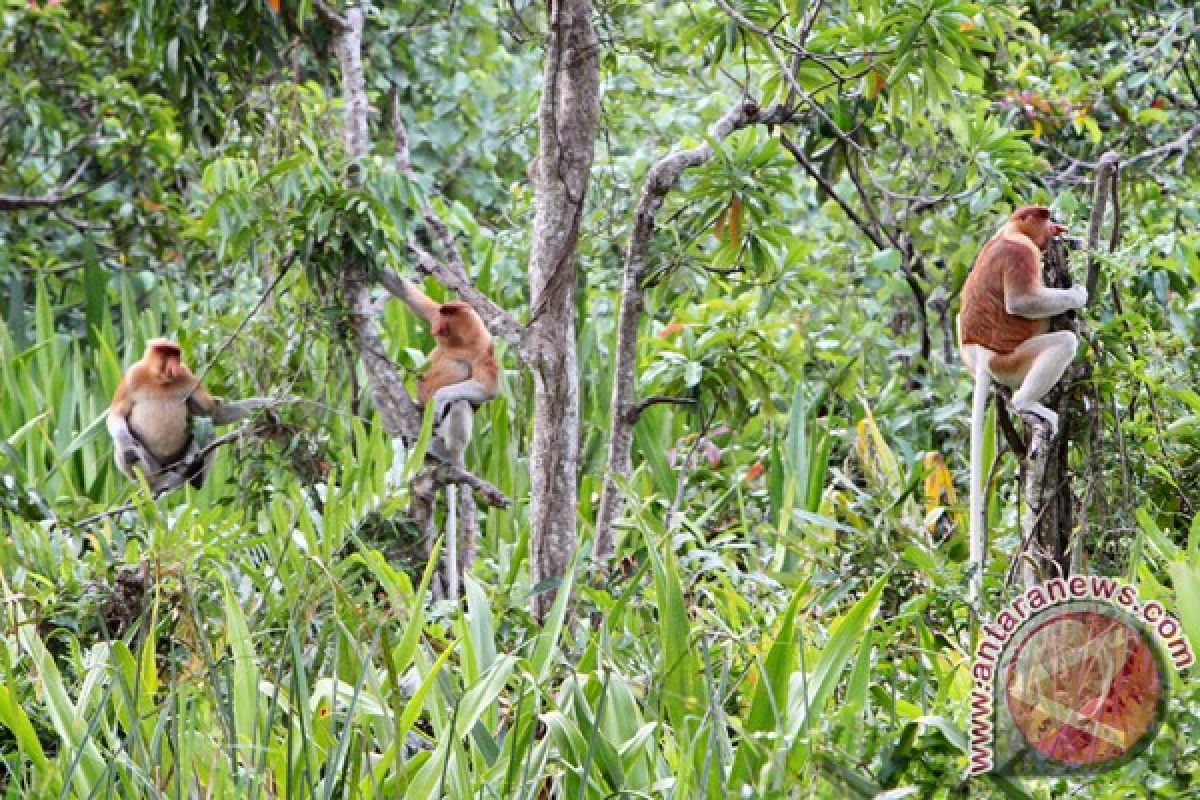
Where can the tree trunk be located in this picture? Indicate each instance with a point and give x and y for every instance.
(625, 410)
(1048, 520)
(400, 416)
(568, 118)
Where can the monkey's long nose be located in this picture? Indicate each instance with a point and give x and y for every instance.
(1058, 229)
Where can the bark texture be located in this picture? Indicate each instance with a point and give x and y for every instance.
(568, 116)
(625, 407)
(400, 416)
(1051, 547)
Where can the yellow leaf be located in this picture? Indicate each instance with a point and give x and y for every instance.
(735, 219)
(878, 460)
(939, 484)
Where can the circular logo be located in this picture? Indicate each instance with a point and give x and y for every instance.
(1084, 688)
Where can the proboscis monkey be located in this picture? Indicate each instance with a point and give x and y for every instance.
(460, 375)
(1003, 335)
(461, 367)
(150, 419)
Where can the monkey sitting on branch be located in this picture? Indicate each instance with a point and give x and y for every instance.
(461, 374)
(151, 419)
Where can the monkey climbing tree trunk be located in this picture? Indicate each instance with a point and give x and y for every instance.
(1050, 546)
(568, 116)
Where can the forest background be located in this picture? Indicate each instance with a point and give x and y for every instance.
(725, 551)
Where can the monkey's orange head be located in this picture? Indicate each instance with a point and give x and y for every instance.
(456, 323)
(163, 356)
(1036, 223)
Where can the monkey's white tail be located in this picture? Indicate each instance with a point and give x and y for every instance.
(451, 560)
(976, 509)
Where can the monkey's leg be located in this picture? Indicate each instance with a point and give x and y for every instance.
(1033, 369)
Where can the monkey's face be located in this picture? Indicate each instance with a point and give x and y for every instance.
(1049, 229)
(165, 357)
(1035, 222)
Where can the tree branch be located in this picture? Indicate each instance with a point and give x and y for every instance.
(1182, 145)
(57, 196)
(451, 273)
(1100, 194)
(447, 474)
(635, 413)
(338, 22)
(806, 163)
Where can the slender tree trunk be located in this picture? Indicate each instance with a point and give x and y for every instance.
(625, 408)
(400, 416)
(1048, 521)
(568, 118)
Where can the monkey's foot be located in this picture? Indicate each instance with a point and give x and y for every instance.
(1040, 410)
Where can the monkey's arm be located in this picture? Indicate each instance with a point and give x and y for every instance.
(224, 413)
(417, 300)
(1026, 296)
(126, 448)
(128, 451)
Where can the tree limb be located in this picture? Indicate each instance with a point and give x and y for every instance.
(660, 179)
(447, 474)
(806, 163)
(336, 21)
(57, 196)
(1100, 193)
(451, 273)
(635, 413)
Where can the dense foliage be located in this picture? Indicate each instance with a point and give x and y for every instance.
(785, 617)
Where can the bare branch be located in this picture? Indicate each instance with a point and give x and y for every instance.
(57, 196)
(284, 266)
(635, 413)
(447, 474)
(660, 179)
(789, 74)
(1182, 145)
(1100, 194)
(802, 158)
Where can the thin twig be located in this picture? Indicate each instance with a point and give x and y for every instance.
(283, 268)
(55, 197)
